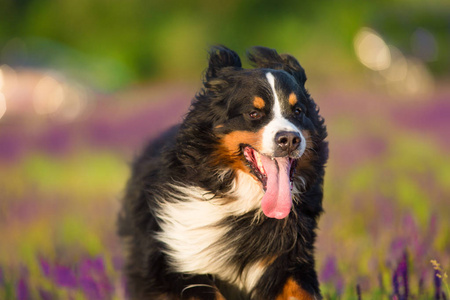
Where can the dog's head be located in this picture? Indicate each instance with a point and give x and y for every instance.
(265, 122)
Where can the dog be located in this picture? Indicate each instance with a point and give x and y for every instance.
(225, 205)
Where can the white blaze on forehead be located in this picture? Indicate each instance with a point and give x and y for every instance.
(278, 123)
(276, 101)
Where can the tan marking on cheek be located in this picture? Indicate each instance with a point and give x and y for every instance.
(259, 103)
(233, 140)
(293, 99)
(229, 149)
(292, 290)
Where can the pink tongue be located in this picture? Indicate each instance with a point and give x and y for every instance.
(277, 200)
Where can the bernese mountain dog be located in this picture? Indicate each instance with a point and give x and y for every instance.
(225, 205)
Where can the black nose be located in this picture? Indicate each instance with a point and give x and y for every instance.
(288, 140)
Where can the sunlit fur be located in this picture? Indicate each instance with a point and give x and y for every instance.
(192, 219)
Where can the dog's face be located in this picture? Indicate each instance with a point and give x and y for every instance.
(265, 122)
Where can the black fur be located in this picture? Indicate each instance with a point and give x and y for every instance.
(188, 154)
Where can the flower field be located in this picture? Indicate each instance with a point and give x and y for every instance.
(387, 195)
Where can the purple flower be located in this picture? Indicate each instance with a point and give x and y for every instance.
(403, 266)
(45, 267)
(95, 265)
(56, 140)
(90, 288)
(13, 146)
(358, 292)
(329, 270)
(395, 283)
(400, 279)
(64, 276)
(22, 291)
(45, 295)
(94, 280)
(398, 246)
(437, 285)
(412, 230)
(331, 274)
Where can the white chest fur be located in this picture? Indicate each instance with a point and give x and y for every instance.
(192, 230)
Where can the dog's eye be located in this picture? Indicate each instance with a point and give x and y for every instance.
(297, 111)
(255, 115)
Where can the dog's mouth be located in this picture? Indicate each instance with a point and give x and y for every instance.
(276, 176)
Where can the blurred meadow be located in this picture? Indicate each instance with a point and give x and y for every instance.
(84, 84)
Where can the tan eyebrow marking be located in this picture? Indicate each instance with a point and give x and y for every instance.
(293, 99)
(259, 103)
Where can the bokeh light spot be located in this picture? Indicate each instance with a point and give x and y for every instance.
(418, 81)
(48, 96)
(371, 50)
(1, 79)
(2, 105)
(74, 104)
(398, 68)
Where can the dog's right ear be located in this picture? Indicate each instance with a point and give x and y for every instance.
(220, 57)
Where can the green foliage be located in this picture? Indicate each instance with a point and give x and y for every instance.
(90, 174)
(122, 42)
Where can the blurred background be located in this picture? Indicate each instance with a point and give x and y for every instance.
(83, 85)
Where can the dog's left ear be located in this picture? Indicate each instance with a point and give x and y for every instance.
(221, 57)
(263, 57)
